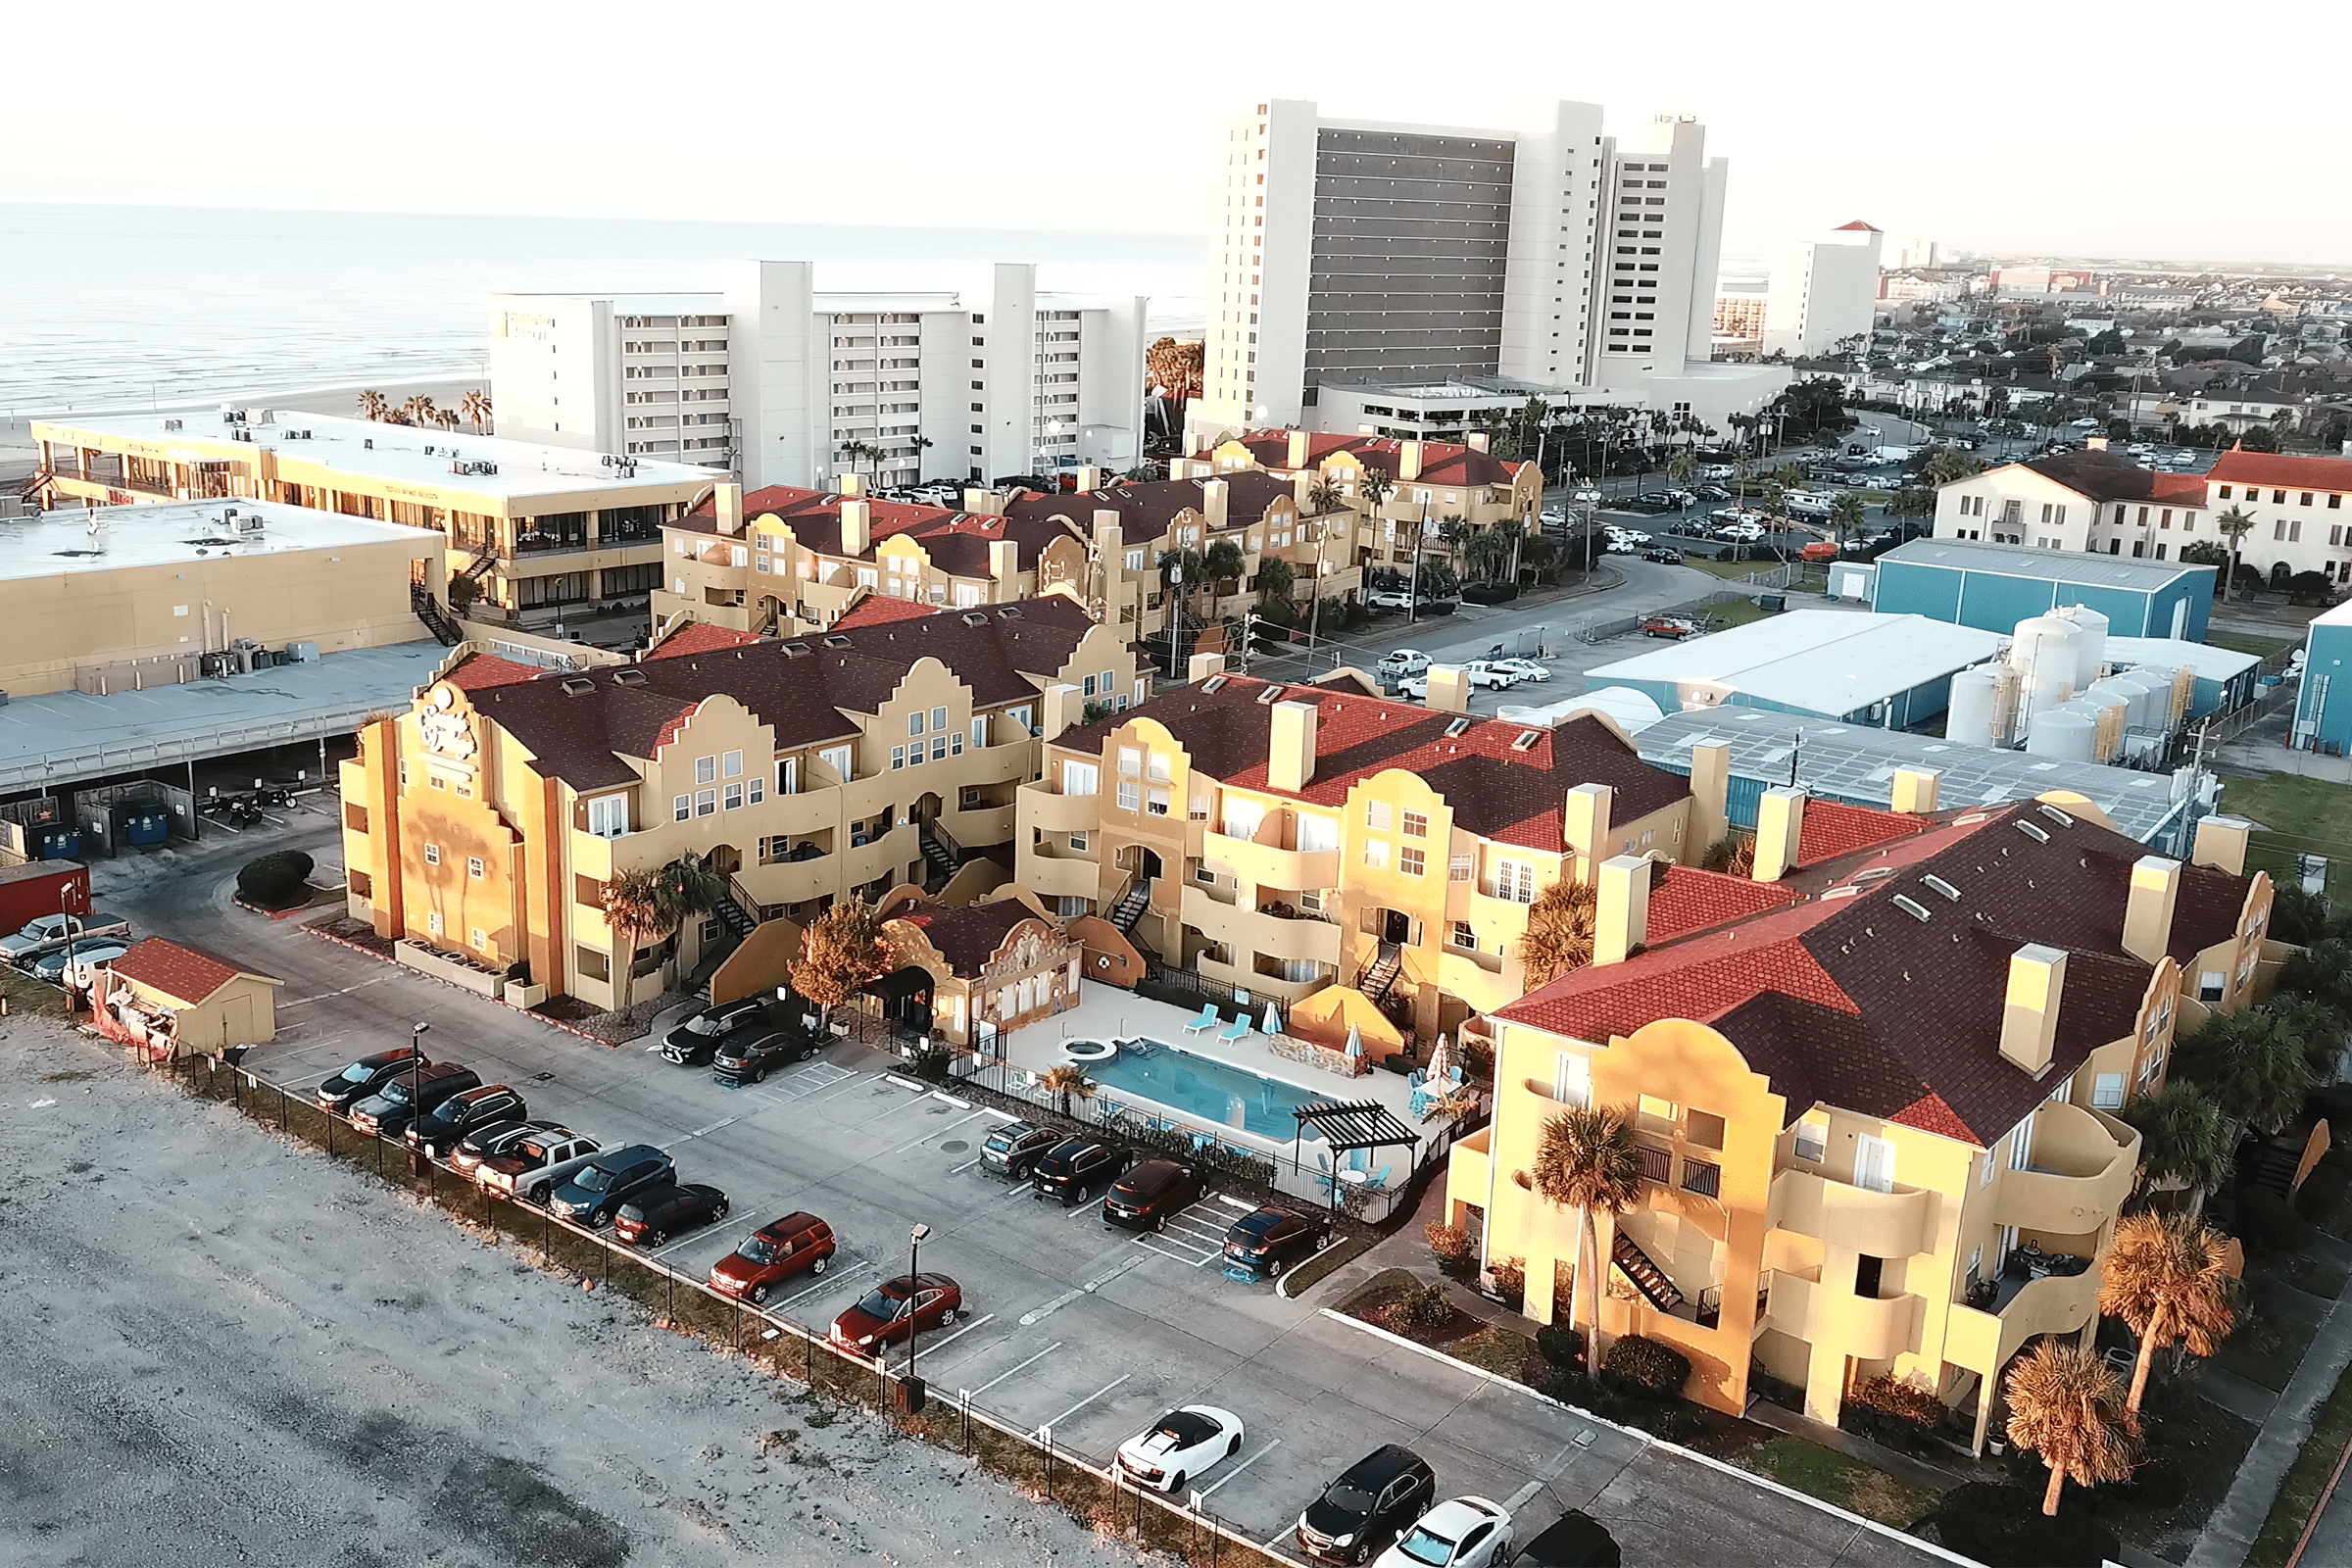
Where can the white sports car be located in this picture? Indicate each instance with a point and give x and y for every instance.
(1458, 1532)
(1180, 1445)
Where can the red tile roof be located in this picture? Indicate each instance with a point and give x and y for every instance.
(1833, 829)
(1894, 1009)
(484, 671)
(879, 610)
(1147, 509)
(1496, 790)
(1685, 901)
(968, 938)
(2238, 467)
(1442, 462)
(699, 637)
(955, 541)
(181, 973)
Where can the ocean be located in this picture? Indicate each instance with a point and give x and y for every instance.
(141, 306)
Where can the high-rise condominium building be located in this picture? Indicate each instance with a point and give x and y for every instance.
(1550, 258)
(785, 385)
(1823, 290)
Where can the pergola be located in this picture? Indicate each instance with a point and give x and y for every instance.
(1361, 1124)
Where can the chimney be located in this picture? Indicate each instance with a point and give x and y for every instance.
(1449, 691)
(1212, 501)
(857, 526)
(2095, 443)
(1004, 560)
(1914, 791)
(2221, 844)
(1062, 705)
(1621, 923)
(1780, 829)
(1090, 479)
(1107, 536)
(1295, 458)
(1586, 828)
(2029, 1014)
(1711, 795)
(1408, 461)
(1291, 747)
(853, 484)
(2148, 911)
(1202, 665)
(1477, 440)
(1301, 482)
(729, 500)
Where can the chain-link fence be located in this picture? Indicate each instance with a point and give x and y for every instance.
(1103, 1498)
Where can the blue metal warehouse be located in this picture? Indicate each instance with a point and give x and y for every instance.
(2323, 707)
(1894, 671)
(1993, 587)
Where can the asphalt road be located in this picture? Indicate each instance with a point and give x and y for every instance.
(1092, 1332)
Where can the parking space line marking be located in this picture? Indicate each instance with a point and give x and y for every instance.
(1089, 1399)
(942, 1345)
(1021, 1190)
(973, 1393)
(1088, 1289)
(966, 1165)
(833, 1276)
(1243, 1465)
(906, 1082)
(961, 1104)
(935, 1132)
(1245, 1207)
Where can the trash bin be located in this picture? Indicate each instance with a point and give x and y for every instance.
(1772, 604)
(910, 1397)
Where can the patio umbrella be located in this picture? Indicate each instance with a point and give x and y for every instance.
(1272, 1024)
(1440, 1059)
(1356, 1041)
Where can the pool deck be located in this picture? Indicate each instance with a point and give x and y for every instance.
(1107, 1012)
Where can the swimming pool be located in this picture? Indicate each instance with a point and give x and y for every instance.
(1208, 1091)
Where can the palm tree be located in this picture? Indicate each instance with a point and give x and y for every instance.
(635, 909)
(2255, 1062)
(418, 409)
(2167, 1276)
(1845, 514)
(476, 406)
(1375, 488)
(2183, 1140)
(1585, 1161)
(1223, 561)
(1560, 927)
(373, 405)
(1323, 498)
(2066, 1405)
(1948, 463)
(1066, 1080)
(1454, 532)
(2234, 524)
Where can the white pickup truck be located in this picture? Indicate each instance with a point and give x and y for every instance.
(56, 930)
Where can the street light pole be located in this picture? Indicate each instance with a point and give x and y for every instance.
(914, 1269)
(415, 1062)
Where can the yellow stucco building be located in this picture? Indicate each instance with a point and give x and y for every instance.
(1877, 1118)
(484, 821)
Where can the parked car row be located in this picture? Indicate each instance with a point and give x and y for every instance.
(1390, 1496)
(745, 1040)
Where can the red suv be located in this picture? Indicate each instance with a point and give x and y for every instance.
(773, 1254)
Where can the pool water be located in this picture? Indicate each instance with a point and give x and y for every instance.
(1208, 1091)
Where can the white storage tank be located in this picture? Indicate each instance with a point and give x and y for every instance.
(2112, 713)
(2047, 653)
(2092, 656)
(2143, 698)
(2065, 737)
(1969, 720)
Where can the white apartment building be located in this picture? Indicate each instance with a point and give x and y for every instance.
(1552, 256)
(1822, 290)
(782, 385)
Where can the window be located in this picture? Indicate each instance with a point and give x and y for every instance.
(1131, 761)
(1416, 825)
(1460, 869)
(788, 775)
(733, 800)
(1411, 862)
(681, 806)
(1572, 1079)
(1376, 854)
(898, 758)
(706, 802)
(1460, 935)
(914, 722)
(939, 718)
(731, 766)
(435, 923)
(473, 867)
(1874, 1165)
(759, 790)
(432, 854)
(1130, 795)
(1812, 1141)
(1078, 842)
(2211, 986)
(1515, 880)
(1079, 778)
(2021, 1145)
(609, 816)
(1156, 768)
(2107, 1091)
(837, 757)
(1376, 815)
(705, 769)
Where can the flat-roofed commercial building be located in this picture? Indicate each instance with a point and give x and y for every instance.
(534, 529)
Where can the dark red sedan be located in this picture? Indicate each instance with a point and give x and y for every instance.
(895, 1308)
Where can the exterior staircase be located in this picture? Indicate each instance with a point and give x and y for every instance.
(1647, 1277)
(735, 910)
(2274, 1166)
(938, 852)
(480, 567)
(1380, 978)
(436, 619)
(1131, 906)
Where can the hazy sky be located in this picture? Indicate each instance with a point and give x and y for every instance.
(2147, 131)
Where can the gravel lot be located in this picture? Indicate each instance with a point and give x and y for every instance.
(227, 1349)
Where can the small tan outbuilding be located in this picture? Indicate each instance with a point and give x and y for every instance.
(174, 1000)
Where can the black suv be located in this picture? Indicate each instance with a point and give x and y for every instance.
(598, 1189)
(388, 1112)
(440, 1130)
(1074, 1167)
(696, 1039)
(1266, 1240)
(745, 1057)
(1014, 1148)
(1373, 1499)
(367, 1077)
(1148, 1195)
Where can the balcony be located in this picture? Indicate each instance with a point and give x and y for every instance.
(1881, 1224)
(2080, 1173)
(1984, 1339)
(1267, 862)
(802, 813)
(592, 855)
(1044, 811)
(1057, 876)
(1872, 1328)
(793, 881)
(1264, 932)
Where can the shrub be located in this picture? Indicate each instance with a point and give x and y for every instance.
(1645, 1367)
(1425, 1308)
(2270, 1221)
(1561, 1347)
(1904, 1400)
(1450, 1243)
(1509, 1275)
(276, 881)
(2004, 1527)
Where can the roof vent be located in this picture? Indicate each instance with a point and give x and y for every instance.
(628, 677)
(1971, 818)
(975, 618)
(1214, 683)
(1009, 612)
(2057, 816)
(578, 686)
(1911, 907)
(798, 649)
(2032, 832)
(1871, 873)
(837, 642)
(1527, 740)
(1938, 885)
(1458, 726)
(1271, 695)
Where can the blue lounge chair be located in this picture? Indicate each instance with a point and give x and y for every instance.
(1236, 1029)
(1379, 1181)
(1206, 1020)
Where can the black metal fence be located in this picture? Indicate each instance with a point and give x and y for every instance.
(1098, 1498)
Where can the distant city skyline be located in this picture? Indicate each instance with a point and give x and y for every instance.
(1010, 118)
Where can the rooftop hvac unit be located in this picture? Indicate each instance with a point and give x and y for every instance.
(461, 468)
(250, 525)
(172, 424)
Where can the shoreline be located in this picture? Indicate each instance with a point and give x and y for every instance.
(446, 387)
